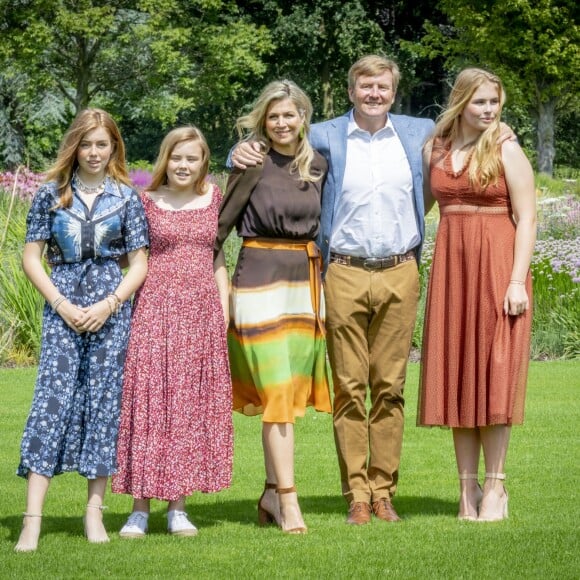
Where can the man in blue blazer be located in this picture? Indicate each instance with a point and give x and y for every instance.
(372, 227)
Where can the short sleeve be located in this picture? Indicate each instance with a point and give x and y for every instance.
(38, 220)
(135, 227)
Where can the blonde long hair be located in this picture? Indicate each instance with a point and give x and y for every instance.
(485, 165)
(173, 138)
(252, 127)
(66, 160)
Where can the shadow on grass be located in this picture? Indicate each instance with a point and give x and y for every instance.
(241, 512)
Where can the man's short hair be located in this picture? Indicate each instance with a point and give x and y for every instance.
(373, 65)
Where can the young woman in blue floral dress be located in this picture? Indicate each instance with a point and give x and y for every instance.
(86, 216)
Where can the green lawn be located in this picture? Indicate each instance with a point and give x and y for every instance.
(540, 539)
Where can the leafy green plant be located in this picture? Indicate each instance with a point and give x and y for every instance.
(556, 187)
(21, 312)
(556, 311)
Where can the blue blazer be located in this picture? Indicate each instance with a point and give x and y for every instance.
(330, 138)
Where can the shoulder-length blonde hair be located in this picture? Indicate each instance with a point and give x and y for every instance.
(252, 127)
(66, 160)
(485, 165)
(173, 138)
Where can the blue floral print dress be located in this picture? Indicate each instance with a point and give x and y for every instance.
(74, 418)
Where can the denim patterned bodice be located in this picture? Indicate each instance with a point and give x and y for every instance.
(115, 224)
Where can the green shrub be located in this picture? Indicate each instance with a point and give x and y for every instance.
(21, 309)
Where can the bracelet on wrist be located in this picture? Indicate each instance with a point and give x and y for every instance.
(114, 302)
(111, 304)
(517, 282)
(57, 302)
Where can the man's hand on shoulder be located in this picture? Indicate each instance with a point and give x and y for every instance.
(247, 154)
(506, 134)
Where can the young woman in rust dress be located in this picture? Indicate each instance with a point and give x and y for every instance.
(478, 317)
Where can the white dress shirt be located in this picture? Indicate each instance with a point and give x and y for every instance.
(375, 213)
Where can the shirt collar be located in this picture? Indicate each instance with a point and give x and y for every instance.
(113, 187)
(353, 127)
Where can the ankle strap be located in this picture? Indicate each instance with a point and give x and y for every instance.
(495, 476)
(269, 485)
(467, 476)
(97, 507)
(27, 515)
(286, 489)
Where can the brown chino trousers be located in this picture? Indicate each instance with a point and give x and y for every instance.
(370, 317)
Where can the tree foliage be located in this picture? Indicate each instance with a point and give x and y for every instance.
(534, 45)
(158, 63)
(315, 44)
(145, 61)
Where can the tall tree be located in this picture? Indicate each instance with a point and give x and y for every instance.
(533, 44)
(402, 21)
(315, 44)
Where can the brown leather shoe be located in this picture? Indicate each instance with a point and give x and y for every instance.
(359, 513)
(384, 510)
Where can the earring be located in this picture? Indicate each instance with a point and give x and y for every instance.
(301, 132)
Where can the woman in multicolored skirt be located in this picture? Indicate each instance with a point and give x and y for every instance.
(277, 338)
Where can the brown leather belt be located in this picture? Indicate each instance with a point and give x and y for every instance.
(372, 263)
(314, 262)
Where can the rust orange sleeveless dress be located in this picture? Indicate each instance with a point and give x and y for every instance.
(474, 362)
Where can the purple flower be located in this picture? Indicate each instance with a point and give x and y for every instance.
(141, 178)
(27, 182)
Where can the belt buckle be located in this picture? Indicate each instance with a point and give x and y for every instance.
(373, 264)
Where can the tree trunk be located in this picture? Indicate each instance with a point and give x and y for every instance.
(327, 100)
(546, 122)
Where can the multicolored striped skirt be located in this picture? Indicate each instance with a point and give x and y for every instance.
(276, 339)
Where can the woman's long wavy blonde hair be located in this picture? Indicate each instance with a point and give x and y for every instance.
(485, 165)
(252, 127)
(173, 138)
(66, 160)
